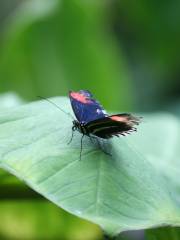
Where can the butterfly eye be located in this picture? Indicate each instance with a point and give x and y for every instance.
(74, 128)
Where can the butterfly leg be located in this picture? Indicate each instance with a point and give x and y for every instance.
(81, 145)
(71, 137)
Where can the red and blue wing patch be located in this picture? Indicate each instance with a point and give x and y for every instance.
(85, 107)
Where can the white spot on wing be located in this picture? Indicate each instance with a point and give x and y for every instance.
(99, 111)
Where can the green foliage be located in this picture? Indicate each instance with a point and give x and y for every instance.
(52, 46)
(127, 191)
(42, 220)
(163, 233)
(150, 32)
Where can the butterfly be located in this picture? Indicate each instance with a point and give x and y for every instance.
(93, 120)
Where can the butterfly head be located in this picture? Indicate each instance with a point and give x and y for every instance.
(79, 127)
(75, 125)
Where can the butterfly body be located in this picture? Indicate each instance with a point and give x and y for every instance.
(92, 119)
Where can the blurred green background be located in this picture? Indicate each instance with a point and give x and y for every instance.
(126, 52)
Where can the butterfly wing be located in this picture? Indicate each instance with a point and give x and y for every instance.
(85, 107)
(113, 125)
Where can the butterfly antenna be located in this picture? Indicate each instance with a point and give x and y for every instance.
(56, 106)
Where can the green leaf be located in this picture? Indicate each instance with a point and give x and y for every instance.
(160, 145)
(124, 192)
(8, 100)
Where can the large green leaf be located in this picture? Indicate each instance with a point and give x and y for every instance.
(8, 100)
(160, 145)
(123, 192)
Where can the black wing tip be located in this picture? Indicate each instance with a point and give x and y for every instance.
(137, 120)
(132, 118)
